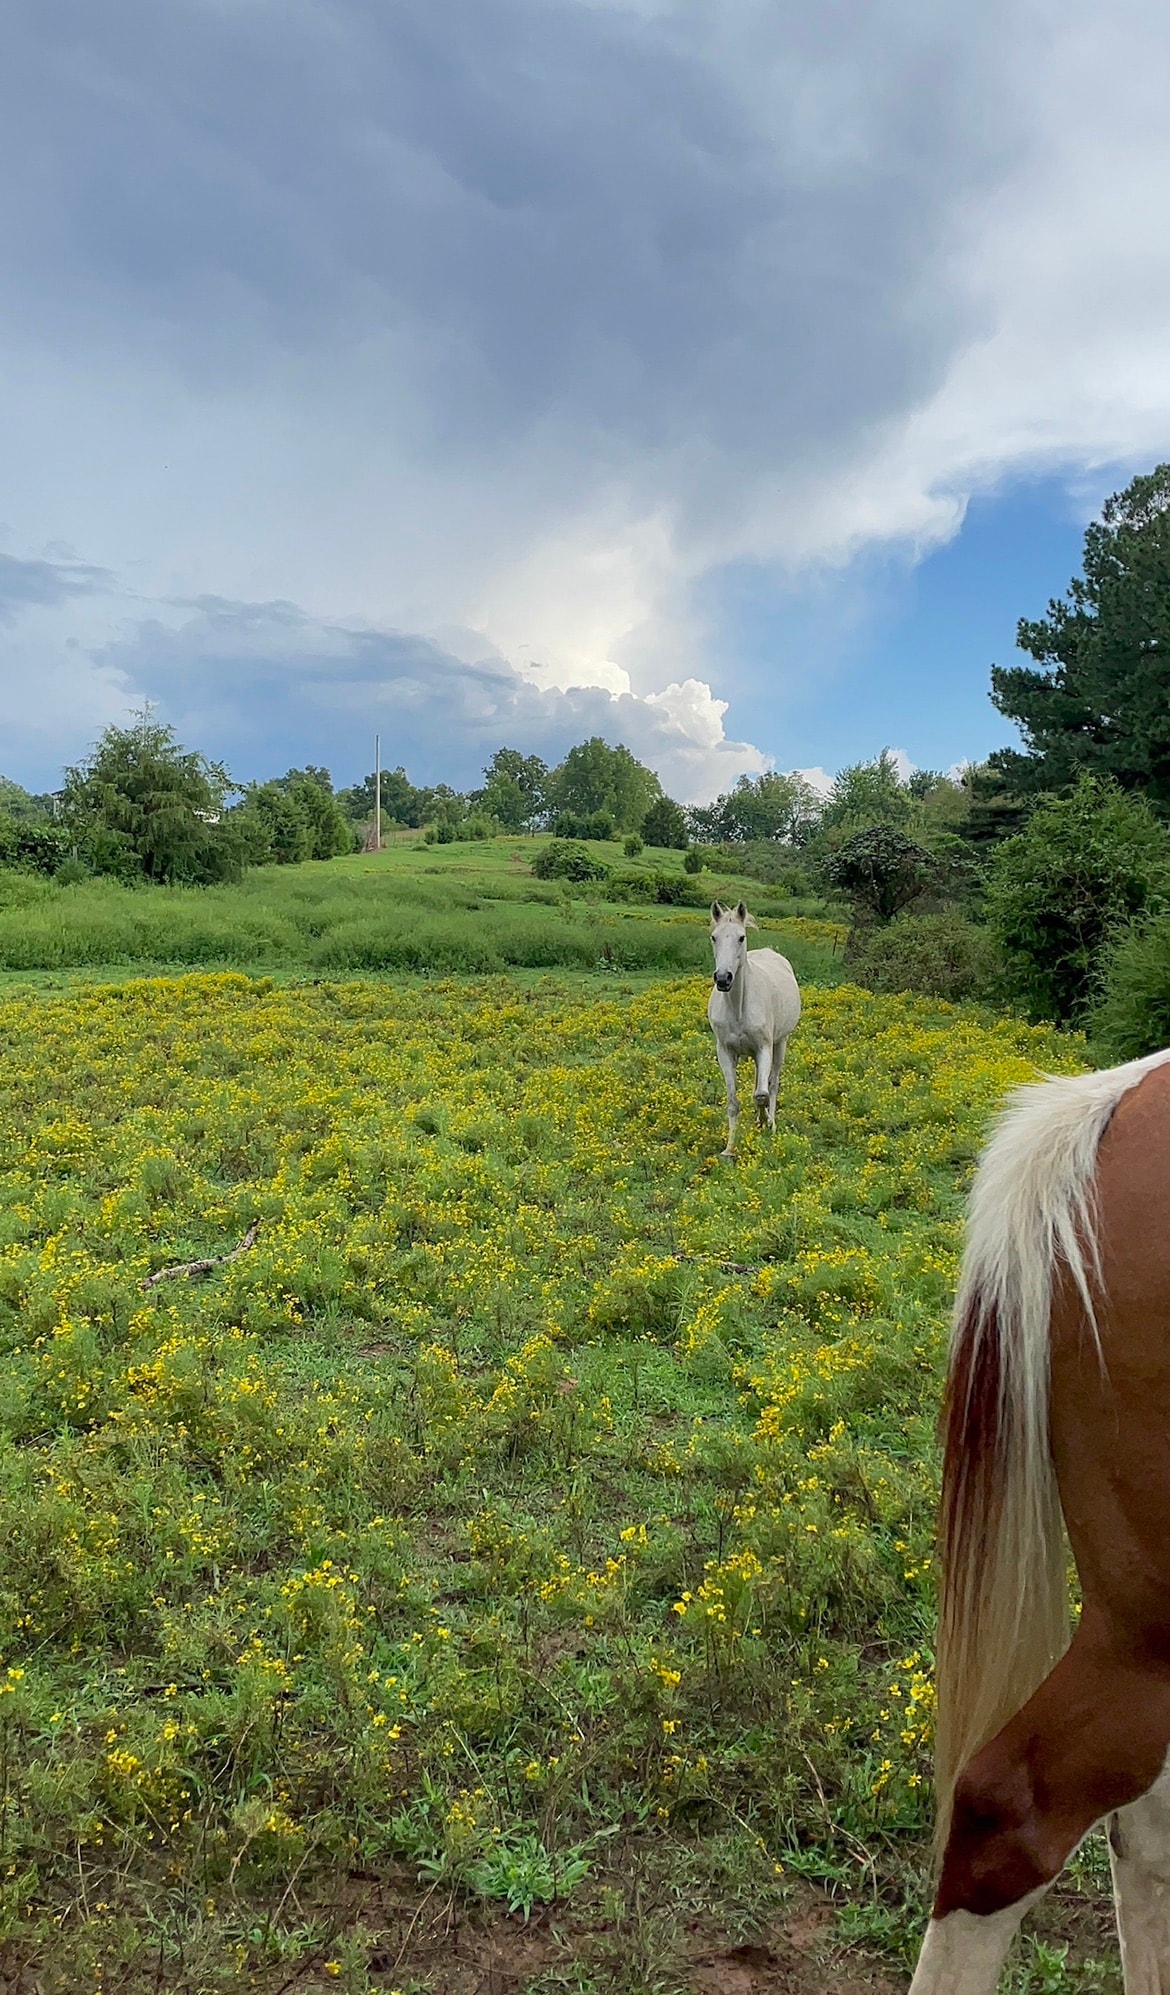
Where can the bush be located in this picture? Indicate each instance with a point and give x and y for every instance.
(1133, 1017)
(666, 889)
(881, 871)
(596, 826)
(1066, 886)
(41, 848)
(941, 955)
(692, 860)
(762, 859)
(70, 872)
(632, 845)
(564, 860)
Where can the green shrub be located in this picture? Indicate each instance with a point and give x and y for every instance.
(632, 845)
(1066, 886)
(941, 955)
(597, 825)
(566, 860)
(41, 848)
(692, 860)
(665, 889)
(763, 859)
(70, 872)
(1133, 1016)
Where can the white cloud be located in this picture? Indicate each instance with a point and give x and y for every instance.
(262, 686)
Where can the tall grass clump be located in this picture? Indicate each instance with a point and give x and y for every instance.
(426, 943)
(941, 955)
(473, 913)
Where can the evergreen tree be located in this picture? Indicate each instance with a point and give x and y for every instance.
(300, 816)
(665, 824)
(143, 805)
(1100, 701)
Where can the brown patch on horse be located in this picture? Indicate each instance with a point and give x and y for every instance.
(1094, 1736)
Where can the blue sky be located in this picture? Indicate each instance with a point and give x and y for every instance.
(724, 380)
(896, 651)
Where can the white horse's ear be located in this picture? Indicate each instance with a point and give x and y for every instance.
(716, 910)
(741, 912)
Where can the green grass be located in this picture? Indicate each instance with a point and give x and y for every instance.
(438, 910)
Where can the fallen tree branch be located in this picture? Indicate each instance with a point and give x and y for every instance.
(205, 1267)
(725, 1267)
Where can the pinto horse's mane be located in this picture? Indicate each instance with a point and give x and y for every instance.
(1004, 1594)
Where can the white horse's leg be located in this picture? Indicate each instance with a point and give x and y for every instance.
(963, 1953)
(728, 1066)
(1139, 1854)
(778, 1053)
(763, 1083)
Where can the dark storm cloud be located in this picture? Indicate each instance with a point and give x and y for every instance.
(263, 686)
(26, 585)
(648, 225)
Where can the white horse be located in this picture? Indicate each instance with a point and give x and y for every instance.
(754, 1006)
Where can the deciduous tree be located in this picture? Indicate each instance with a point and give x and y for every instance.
(595, 777)
(1063, 889)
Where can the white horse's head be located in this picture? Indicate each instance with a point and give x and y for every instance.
(729, 927)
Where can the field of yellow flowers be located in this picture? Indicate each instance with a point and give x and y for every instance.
(537, 1491)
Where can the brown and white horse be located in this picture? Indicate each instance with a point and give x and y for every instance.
(1057, 1419)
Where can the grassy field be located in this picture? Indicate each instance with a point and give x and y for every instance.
(456, 909)
(512, 1571)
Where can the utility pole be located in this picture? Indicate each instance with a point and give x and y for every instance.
(377, 793)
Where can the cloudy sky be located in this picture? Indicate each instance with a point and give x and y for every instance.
(725, 378)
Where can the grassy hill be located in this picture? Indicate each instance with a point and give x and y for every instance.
(450, 909)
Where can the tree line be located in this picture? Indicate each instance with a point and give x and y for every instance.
(142, 806)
